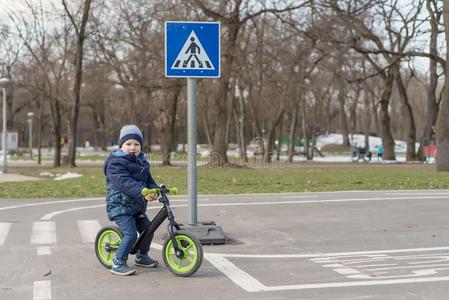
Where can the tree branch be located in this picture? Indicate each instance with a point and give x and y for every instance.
(72, 20)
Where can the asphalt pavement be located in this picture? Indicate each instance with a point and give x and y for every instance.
(335, 245)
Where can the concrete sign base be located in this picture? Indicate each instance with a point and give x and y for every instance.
(207, 232)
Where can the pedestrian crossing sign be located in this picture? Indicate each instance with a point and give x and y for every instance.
(192, 49)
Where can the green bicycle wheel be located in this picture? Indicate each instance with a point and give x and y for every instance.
(192, 258)
(106, 243)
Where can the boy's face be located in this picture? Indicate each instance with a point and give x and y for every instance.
(131, 146)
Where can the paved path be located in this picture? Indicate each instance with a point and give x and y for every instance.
(15, 177)
(340, 245)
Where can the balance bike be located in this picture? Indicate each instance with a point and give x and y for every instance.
(182, 252)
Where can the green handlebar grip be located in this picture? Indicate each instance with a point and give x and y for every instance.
(173, 190)
(147, 191)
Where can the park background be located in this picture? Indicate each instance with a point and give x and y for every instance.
(292, 74)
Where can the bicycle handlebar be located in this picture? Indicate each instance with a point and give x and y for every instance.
(147, 191)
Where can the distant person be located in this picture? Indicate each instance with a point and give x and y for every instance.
(369, 155)
(380, 152)
(355, 152)
(361, 153)
(127, 174)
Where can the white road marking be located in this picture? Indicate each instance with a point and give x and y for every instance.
(76, 200)
(237, 275)
(44, 250)
(296, 197)
(88, 230)
(42, 290)
(428, 193)
(322, 256)
(4, 229)
(49, 203)
(219, 196)
(44, 233)
(379, 265)
(346, 271)
(251, 284)
(439, 266)
(156, 246)
(354, 283)
(49, 216)
(185, 200)
(333, 265)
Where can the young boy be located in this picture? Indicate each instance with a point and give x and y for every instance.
(127, 173)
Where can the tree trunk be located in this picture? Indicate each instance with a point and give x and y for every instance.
(239, 117)
(408, 117)
(219, 146)
(272, 134)
(98, 114)
(80, 34)
(442, 132)
(229, 113)
(385, 133)
(168, 125)
(432, 105)
(39, 128)
(305, 132)
(367, 122)
(292, 133)
(341, 102)
(56, 124)
(279, 139)
(207, 129)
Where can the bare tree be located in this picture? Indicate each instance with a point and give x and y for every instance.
(232, 19)
(48, 48)
(398, 39)
(432, 99)
(443, 116)
(80, 33)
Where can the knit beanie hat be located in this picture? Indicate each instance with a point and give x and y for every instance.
(130, 132)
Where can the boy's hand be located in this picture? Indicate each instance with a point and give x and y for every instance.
(149, 194)
(151, 197)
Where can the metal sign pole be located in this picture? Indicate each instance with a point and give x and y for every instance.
(192, 50)
(4, 137)
(191, 140)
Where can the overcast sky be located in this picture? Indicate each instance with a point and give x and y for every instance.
(18, 7)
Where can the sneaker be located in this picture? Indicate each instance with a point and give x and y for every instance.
(146, 261)
(121, 268)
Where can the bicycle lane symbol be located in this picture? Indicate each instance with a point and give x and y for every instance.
(366, 268)
(386, 266)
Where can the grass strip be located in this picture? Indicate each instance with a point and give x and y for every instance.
(309, 177)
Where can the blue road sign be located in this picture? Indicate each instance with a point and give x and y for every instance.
(192, 49)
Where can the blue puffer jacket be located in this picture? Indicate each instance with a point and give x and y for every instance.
(126, 176)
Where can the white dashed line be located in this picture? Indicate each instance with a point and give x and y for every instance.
(44, 233)
(42, 290)
(44, 250)
(4, 229)
(88, 230)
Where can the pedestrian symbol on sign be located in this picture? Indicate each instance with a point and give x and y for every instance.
(192, 56)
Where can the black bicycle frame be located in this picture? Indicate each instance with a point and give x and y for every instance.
(164, 213)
